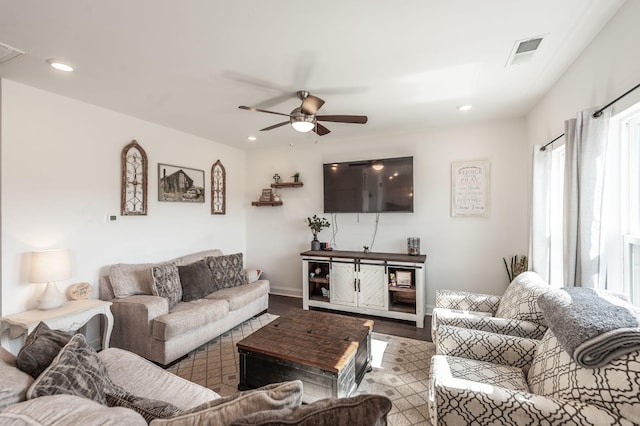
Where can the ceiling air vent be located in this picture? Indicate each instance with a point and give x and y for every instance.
(8, 53)
(523, 50)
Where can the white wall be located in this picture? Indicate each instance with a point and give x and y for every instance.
(61, 177)
(462, 253)
(607, 68)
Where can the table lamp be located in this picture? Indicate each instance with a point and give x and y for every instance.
(49, 266)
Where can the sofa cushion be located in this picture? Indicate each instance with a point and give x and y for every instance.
(150, 409)
(68, 410)
(188, 316)
(520, 301)
(166, 283)
(241, 296)
(227, 270)
(483, 372)
(131, 279)
(361, 410)
(14, 383)
(40, 348)
(223, 411)
(136, 375)
(196, 280)
(77, 370)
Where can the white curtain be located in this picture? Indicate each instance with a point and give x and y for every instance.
(585, 160)
(540, 238)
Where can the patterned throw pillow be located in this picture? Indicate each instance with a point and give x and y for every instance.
(520, 301)
(77, 370)
(150, 409)
(227, 270)
(166, 283)
(196, 280)
(40, 348)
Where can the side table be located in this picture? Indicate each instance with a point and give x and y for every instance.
(71, 316)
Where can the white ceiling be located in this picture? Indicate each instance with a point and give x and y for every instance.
(405, 64)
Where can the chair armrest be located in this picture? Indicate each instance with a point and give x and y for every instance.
(466, 301)
(454, 401)
(485, 346)
(511, 327)
(132, 320)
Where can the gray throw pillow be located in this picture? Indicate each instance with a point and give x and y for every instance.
(40, 348)
(196, 280)
(166, 283)
(223, 411)
(361, 410)
(77, 370)
(150, 409)
(227, 270)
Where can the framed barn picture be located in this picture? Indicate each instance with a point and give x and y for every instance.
(180, 184)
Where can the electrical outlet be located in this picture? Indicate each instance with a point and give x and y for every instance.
(112, 218)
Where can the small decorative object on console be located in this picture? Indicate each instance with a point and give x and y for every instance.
(413, 246)
(403, 279)
(316, 224)
(80, 291)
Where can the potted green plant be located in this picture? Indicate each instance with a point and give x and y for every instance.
(296, 177)
(365, 249)
(316, 224)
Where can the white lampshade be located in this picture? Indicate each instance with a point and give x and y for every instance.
(49, 266)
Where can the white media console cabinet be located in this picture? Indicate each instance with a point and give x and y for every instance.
(388, 285)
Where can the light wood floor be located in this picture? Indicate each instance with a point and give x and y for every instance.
(280, 305)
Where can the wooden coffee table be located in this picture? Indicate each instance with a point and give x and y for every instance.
(330, 353)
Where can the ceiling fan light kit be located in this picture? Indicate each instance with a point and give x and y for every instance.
(302, 122)
(304, 119)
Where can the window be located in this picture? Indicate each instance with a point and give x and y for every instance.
(623, 202)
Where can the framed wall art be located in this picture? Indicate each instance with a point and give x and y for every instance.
(180, 184)
(218, 188)
(133, 183)
(470, 183)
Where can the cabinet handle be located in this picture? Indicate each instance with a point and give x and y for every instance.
(355, 284)
(358, 285)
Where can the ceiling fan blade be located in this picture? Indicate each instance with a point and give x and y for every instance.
(321, 130)
(275, 126)
(261, 110)
(311, 104)
(356, 119)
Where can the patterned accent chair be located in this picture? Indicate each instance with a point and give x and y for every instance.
(516, 313)
(552, 390)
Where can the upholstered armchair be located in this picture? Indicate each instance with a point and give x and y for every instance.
(516, 313)
(527, 381)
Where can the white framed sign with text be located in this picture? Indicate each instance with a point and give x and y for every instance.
(470, 182)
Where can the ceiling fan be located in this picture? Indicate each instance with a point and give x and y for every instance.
(304, 118)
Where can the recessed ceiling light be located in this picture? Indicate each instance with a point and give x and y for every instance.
(252, 138)
(466, 107)
(59, 65)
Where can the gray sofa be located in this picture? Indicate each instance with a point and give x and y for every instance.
(146, 325)
(157, 397)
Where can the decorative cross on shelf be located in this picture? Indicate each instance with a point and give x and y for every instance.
(276, 178)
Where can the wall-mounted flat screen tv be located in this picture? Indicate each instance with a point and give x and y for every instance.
(369, 186)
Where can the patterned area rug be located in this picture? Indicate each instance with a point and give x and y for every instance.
(400, 369)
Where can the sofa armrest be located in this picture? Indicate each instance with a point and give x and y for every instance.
(132, 321)
(485, 346)
(511, 327)
(466, 301)
(453, 401)
(68, 410)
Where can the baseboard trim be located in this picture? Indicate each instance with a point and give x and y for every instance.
(284, 291)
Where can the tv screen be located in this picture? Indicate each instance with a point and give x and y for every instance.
(369, 186)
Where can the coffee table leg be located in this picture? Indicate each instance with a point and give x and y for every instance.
(242, 383)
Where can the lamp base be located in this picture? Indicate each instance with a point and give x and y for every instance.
(51, 297)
